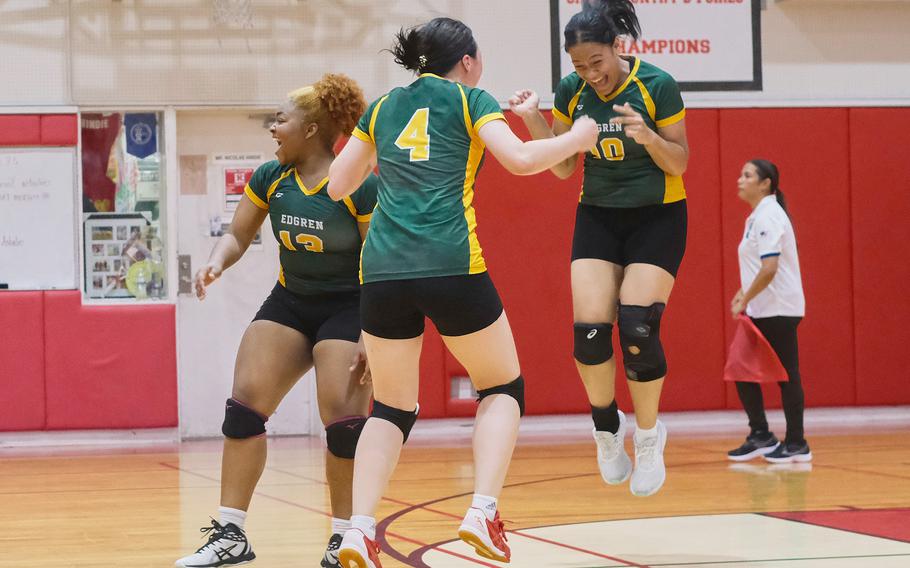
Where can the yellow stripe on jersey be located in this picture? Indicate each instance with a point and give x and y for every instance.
(646, 97)
(671, 119)
(281, 275)
(248, 191)
(487, 118)
(275, 183)
(468, 124)
(561, 117)
(625, 83)
(373, 118)
(350, 205)
(475, 153)
(574, 101)
(674, 189)
(361, 135)
(305, 189)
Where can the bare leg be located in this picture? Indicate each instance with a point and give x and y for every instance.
(262, 378)
(643, 285)
(395, 368)
(595, 289)
(339, 394)
(491, 360)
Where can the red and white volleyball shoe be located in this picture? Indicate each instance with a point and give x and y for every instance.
(357, 551)
(487, 537)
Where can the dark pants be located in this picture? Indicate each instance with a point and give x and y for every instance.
(780, 332)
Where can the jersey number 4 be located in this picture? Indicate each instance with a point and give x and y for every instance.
(311, 243)
(611, 149)
(416, 136)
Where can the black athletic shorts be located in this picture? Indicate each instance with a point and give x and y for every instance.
(457, 305)
(317, 316)
(653, 234)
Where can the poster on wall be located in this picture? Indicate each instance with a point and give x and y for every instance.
(236, 172)
(706, 45)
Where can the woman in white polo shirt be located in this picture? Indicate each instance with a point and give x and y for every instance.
(772, 296)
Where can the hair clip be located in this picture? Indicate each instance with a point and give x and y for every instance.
(422, 61)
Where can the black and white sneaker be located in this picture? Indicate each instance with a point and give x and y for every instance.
(330, 560)
(790, 453)
(753, 447)
(227, 546)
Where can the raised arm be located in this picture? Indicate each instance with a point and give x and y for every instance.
(668, 147)
(351, 167)
(526, 105)
(527, 158)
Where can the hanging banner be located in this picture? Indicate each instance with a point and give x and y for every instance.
(706, 45)
(141, 134)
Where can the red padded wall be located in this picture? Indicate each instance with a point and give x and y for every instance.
(22, 357)
(694, 333)
(59, 130)
(20, 130)
(880, 177)
(109, 366)
(525, 229)
(810, 147)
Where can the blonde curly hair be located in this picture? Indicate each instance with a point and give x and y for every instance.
(335, 103)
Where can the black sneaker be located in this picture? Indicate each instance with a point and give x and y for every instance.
(790, 453)
(227, 546)
(753, 447)
(330, 559)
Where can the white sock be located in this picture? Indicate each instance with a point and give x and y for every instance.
(365, 524)
(485, 504)
(227, 515)
(642, 433)
(340, 526)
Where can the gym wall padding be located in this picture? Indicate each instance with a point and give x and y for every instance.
(109, 366)
(22, 361)
(880, 199)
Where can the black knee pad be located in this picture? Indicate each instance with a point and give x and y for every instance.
(241, 421)
(515, 389)
(593, 343)
(341, 436)
(404, 419)
(639, 336)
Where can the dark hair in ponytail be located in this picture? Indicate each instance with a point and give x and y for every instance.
(434, 47)
(767, 170)
(601, 21)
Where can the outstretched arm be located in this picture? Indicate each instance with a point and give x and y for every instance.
(527, 158)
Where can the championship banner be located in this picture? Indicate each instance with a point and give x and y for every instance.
(706, 45)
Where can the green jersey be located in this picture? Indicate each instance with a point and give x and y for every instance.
(320, 239)
(429, 153)
(619, 172)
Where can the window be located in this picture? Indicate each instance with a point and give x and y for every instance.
(123, 187)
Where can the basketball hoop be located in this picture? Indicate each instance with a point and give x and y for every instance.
(233, 13)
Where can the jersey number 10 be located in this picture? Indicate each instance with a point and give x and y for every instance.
(416, 136)
(611, 149)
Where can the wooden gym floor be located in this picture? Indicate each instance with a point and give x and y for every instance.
(142, 507)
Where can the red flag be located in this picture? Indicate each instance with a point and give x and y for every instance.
(751, 358)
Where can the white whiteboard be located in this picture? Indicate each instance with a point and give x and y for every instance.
(37, 218)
